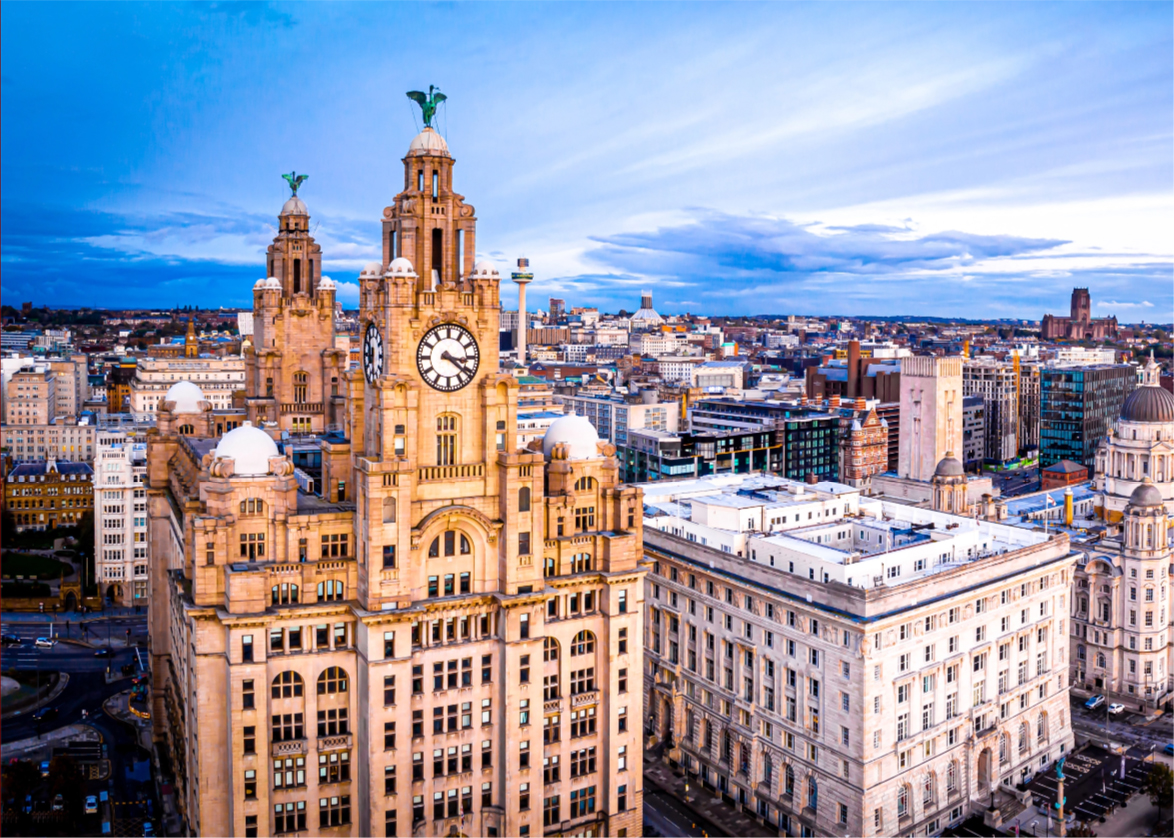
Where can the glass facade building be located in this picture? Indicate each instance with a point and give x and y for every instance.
(1077, 407)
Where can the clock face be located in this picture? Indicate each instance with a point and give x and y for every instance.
(448, 357)
(372, 353)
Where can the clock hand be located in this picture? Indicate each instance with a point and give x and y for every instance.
(446, 355)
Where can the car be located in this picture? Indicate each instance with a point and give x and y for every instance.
(45, 714)
(10, 640)
(1094, 702)
(1168, 750)
(1114, 709)
(104, 653)
(45, 642)
(45, 768)
(91, 805)
(148, 829)
(58, 803)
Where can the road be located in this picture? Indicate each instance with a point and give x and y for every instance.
(667, 816)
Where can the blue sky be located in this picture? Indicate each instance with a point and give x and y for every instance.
(937, 159)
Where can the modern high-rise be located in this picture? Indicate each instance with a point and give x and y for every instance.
(996, 382)
(1077, 407)
(408, 624)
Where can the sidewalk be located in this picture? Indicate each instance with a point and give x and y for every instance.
(118, 707)
(706, 804)
(71, 733)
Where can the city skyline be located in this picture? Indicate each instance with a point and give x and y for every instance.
(860, 160)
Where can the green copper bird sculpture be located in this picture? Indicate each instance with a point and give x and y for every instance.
(294, 180)
(427, 102)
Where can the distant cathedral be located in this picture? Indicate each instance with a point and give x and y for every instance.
(1080, 326)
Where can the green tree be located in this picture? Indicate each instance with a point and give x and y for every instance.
(1159, 785)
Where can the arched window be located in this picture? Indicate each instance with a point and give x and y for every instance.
(186, 430)
(584, 484)
(284, 594)
(330, 590)
(1004, 749)
(789, 781)
(1041, 727)
(583, 644)
(288, 685)
(446, 439)
(812, 794)
(1023, 737)
(252, 506)
(549, 649)
(451, 540)
(301, 381)
(581, 563)
(1100, 660)
(902, 801)
(952, 777)
(332, 680)
(768, 770)
(727, 747)
(389, 510)
(524, 499)
(549, 566)
(927, 790)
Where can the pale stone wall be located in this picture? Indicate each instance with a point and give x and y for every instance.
(931, 413)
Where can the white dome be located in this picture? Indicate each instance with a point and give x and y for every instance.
(579, 434)
(273, 282)
(294, 206)
(327, 284)
(428, 142)
(372, 269)
(400, 267)
(260, 283)
(250, 449)
(187, 397)
(486, 269)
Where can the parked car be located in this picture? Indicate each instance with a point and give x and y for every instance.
(1114, 709)
(45, 768)
(1169, 750)
(58, 803)
(45, 642)
(1094, 702)
(10, 640)
(148, 829)
(104, 653)
(45, 714)
(91, 805)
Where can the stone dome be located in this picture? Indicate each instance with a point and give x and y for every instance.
(260, 283)
(273, 282)
(1148, 403)
(428, 142)
(949, 466)
(401, 266)
(1146, 494)
(579, 434)
(187, 397)
(326, 284)
(486, 269)
(294, 206)
(249, 448)
(371, 269)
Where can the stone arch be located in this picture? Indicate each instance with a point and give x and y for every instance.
(583, 643)
(333, 680)
(287, 684)
(986, 770)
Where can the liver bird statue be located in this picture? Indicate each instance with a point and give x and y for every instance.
(294, 180)
(427, 102)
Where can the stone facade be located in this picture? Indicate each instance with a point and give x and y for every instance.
(997, 383)
(829, 710)
(1080, 325)
(31, 396)
(218, 378)
(931, 413)
(440, 636)
(49, 494)
(120, 518)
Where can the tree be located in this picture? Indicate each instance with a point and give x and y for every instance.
(7, 526)
(1159, 785)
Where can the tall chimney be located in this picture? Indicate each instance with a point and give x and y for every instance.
(853, 369)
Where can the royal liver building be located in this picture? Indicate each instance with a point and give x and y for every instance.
(392, 620)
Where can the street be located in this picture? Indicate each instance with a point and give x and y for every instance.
(1099, 726)
(668, 817)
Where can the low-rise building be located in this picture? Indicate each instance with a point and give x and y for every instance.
(218, 378)
(31, 396)
(49, 494)
(61, 440)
